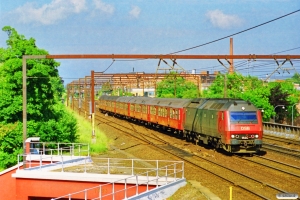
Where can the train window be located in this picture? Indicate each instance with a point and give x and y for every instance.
(174, 114)
(144, 109)
(131, 107)
(138, 108)
(152, 110)
(243, 117)
(222, 116)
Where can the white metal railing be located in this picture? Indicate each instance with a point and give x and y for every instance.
(98, 165)
(50, 148)
(149, 178)
(33, 162)
(42, 154)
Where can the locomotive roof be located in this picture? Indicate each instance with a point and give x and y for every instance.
(221, 104)
(227, 104)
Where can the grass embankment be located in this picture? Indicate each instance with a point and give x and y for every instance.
(84, 130)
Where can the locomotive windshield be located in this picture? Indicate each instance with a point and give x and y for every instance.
(243, 117)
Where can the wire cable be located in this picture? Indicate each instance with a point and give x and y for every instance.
(236, 33)
(286, 50)
(109, 66)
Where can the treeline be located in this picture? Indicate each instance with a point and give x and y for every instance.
(46, 115)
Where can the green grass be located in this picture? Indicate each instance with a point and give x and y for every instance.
(85, 135)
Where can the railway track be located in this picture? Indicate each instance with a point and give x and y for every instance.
(282, 150)
(279, 139)
(293, 171)
(246, 183)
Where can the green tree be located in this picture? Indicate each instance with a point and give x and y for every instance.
(10, 144)
(106, 89)
(295, 78)
(46, 115)
(283, 93)
(175, 85)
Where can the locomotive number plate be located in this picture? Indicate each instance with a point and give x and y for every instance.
(245, 128)
(245, 138)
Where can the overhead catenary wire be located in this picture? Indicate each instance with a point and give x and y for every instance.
(237, 32)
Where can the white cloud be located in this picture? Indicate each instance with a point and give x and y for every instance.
(221, 20)
(49, 13)
(104, 7)
(135, 11)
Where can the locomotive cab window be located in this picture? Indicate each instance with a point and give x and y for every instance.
(243, 117)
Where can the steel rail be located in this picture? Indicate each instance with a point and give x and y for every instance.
(292, 166)
(275, 168)
(279, 139)
(282, 150)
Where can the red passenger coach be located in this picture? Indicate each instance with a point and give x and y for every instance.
(167, 112)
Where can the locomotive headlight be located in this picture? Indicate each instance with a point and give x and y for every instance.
(237, 136)
(243, 108)
(256, 136)
(232, 136)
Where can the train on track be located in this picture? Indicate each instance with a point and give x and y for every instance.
(232, 124)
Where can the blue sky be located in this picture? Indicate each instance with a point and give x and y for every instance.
(156, 27)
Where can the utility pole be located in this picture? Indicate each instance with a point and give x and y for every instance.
(231, 69)
(225, 86)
